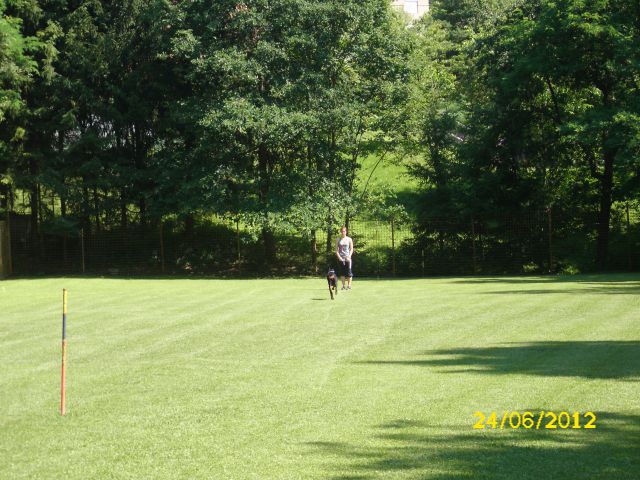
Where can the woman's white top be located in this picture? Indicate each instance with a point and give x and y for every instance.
(343, 247)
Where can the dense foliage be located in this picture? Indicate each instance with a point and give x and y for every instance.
(125, 113)
(537, 109)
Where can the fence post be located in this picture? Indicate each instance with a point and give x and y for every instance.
(423, 262)
(550, 234)
(473, 245)
(9, 255)
(161, 247)
(393, 247)
(82, 248)
(381, 263)
(238, 236)
(629, 263)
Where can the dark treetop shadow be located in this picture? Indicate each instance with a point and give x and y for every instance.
(629, 288)
(455, 452)
(628, 284)
(622, 278)
(587, 359)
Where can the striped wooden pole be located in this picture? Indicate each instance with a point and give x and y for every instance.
(64, 352)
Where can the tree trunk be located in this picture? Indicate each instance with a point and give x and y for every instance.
(189, 225)
(269, 240)
(140, 185)
(314, 239)
(35, 208)
(604, 216)
(314, 251)
(86, 219)
(264, 171)
(329, 235)
(142, 205)
(96, 203)
(123, 209)
(63, 212)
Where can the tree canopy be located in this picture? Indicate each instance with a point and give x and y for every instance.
(262, 111)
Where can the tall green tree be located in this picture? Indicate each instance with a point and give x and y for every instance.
(564, 81)
(16, 64)
(285, 92)
(26, 61)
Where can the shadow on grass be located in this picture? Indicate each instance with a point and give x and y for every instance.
(608, 289)
(165, 276)
(621, 278)
(415, 451)
(597, 359)
(614, 284)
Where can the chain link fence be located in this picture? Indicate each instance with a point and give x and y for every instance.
(538, 242)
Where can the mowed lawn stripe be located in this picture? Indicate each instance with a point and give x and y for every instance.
(271, 379)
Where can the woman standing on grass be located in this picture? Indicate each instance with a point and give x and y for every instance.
(344, 251)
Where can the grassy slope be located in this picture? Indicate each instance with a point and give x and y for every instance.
(269, 379)
(389, 172)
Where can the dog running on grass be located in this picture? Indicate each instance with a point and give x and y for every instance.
(332, 280)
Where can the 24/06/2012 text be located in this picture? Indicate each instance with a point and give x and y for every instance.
(530, 420)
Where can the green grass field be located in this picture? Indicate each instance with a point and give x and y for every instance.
(390, 172)
(269, 379)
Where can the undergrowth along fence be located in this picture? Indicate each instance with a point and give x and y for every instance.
(538, 242)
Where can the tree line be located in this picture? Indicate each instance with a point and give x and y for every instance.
(127, 112)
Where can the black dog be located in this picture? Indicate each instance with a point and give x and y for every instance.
(332, 280)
